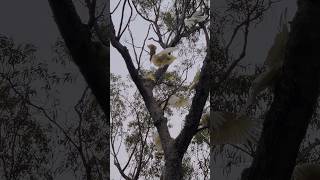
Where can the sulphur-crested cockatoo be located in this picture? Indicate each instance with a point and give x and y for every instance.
(232, 128)
(157, 143)
(150, 76)
(197, 17)
(273, 65)
(178, 101)
(195, 80)
(162, 58)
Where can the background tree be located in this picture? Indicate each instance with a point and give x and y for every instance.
(40, 139)
(24, 144)
(88, 44)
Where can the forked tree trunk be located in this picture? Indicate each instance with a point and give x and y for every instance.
(295, 99)
(173, 166)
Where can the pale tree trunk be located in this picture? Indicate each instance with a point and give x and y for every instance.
(295, 98)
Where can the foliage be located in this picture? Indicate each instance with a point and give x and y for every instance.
(24, 143)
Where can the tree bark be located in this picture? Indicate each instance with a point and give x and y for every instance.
(295, 98)
(173, 165)
(92, 58)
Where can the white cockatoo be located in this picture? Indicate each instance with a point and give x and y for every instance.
(178, 101)
(306, 171)
(162, 58)
(232, 128)
(150, 76)
(204, 121)
(195, 80)
(273, 64)
(196, 17)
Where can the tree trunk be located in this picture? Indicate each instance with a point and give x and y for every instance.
(295, 98)
(173, 167)
(88, 172)
(92, 58)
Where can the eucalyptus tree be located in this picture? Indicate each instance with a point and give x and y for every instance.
(25, 147)
(169, 26)
(88, 45)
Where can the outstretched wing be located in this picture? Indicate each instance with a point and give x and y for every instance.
(232, 128)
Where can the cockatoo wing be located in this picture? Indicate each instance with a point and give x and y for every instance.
(189, 22)
(200, 18)
(164, 59)
(178, 102)
(196, 14)
(195, 18)
(263, 81)
(195, 80)
(306, 171)
(276, 53)
(204, 119)
(232, 128)
(182, 102)
(173, 99)
(150, 76)
(168, 50)
(157, 142)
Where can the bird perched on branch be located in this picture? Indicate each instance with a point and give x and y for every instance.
(162, 58)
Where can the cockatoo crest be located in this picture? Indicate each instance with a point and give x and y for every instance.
(162, 58)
